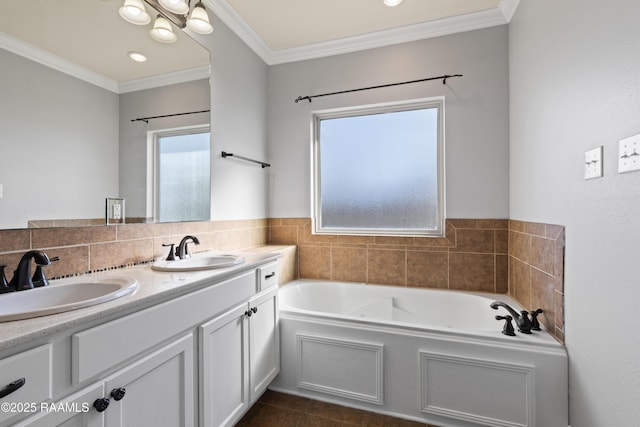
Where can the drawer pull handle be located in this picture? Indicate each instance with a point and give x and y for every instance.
(269, 276)
(118, 393)
(10, 388)
(101, 404)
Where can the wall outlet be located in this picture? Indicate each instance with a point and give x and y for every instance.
(115, 211)
(629, 154)
(593, 163)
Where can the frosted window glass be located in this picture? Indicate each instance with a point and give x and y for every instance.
(183, 177)
(379, 172)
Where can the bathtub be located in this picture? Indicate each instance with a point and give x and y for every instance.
(433, 356)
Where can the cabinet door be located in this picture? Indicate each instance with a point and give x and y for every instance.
(74, 411)
(264, 347)
(224, 392)
(158, 389)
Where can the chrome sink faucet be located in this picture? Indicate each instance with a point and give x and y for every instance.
(182, 251)
(22, 278)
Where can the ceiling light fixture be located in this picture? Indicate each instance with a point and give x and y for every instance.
(137, 56)
(198, 21)
(162, 31)
(133, 11)
(170, 12)
(392, 3)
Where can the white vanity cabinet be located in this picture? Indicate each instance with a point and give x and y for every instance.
(239, 356)
(157, 390)
(143, 367)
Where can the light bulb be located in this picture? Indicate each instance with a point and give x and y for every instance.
(198, 22)
(133, 11)
(392, 3)
(179, 7)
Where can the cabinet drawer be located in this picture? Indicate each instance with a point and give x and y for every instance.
(103, 347)
(35, 367)
(267, 276)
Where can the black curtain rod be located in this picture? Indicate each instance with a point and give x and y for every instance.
(443, 78)
(146, 119)
(263, 164)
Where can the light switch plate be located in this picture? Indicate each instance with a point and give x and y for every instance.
(593, 163)
(629, 154)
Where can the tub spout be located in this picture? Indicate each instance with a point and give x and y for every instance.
(522, 319)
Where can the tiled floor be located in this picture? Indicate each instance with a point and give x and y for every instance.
(283, 410)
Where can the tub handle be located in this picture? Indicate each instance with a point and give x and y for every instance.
(508, 326)
(535, 325)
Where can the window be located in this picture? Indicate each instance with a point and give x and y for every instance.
(379, 170)
(182, 174)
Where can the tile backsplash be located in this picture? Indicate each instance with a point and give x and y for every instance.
(523, 259)
(491, 255)
(94, 248)
(536, 271)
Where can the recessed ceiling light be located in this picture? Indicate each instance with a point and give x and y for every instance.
(137, 56)
(392, 2)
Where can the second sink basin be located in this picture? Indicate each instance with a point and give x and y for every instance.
(198, 263)
(58, 298)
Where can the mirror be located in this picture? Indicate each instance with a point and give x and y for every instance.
(69, 93)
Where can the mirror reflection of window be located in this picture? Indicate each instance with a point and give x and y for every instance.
(182, 163)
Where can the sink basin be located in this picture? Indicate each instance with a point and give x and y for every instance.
(58, 298)
(198, 263)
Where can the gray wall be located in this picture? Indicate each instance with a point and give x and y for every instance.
(239, 190)
(58, 144)
(172, 99)
(575, 85)
(476, 114)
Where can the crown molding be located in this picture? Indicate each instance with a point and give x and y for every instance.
(508, 8)
(47, 59)
(473, 21)
(166, 79)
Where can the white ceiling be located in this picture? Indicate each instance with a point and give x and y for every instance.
(88, 38)
(290, 30)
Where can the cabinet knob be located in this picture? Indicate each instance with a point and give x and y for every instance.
(118, 393)
(101, 404)
(248, 313)
(254, 309)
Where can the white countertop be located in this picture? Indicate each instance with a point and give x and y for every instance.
(154, 287)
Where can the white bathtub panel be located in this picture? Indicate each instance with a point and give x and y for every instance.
(342, 368)
(488, 393)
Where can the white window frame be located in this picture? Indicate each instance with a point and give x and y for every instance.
(423, 103)
(153, 159)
